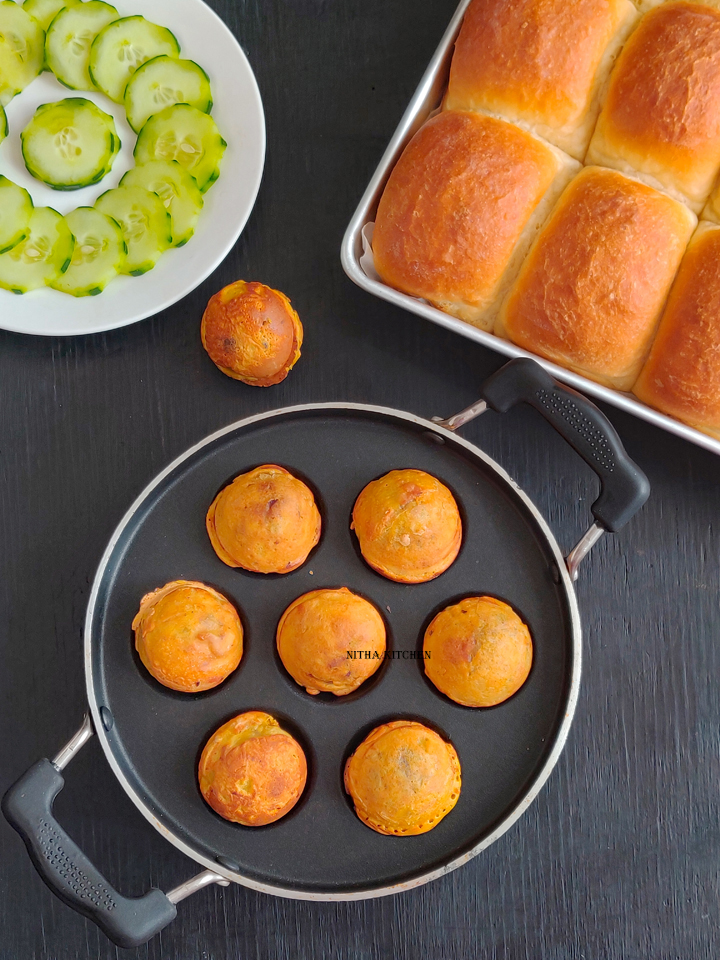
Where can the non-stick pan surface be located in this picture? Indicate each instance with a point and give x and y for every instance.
(155, 735)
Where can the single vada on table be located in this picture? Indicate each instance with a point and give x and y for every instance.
(265, 521)
(478, 652)
(408, 526)
(252, 771)
(320, 635)
(403, 778)
(251, 333)
(188, 635)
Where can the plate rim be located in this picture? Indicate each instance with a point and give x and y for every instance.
(45, 328)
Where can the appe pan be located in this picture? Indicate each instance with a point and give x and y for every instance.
(152, 737)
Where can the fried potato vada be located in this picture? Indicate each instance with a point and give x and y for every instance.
(188, 636)
(478, 652)
(265, 521)
(408, 526)
(251, 333)
(251, 770)
(403, 778)
(331, 641)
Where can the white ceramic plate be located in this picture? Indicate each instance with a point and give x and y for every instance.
(238, 113)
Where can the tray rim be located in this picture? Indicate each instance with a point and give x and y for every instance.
(423, 102)
(514, 813)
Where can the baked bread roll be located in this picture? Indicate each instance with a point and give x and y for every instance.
(460, 209)
(661, 117)
(682, 374)
(539, 63)
(590, 293)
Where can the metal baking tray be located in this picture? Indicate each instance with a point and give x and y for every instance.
(427, 98)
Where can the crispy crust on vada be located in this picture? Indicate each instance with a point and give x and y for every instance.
(408, 526)
(188, 636)
(318, 631)
(265, 521)
(478, 652)
(403, 779)
(251, 333)
(252, 771)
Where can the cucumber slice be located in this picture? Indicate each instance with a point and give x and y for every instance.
(162, 82)
(22, 49)
(70, 144)
(98, 256)
(3, 123)
(16, 208)
(124, 46)
(178, 191)
(185, 134)
(145, 225)
(67, 47)
(42, 257)
(45, 11)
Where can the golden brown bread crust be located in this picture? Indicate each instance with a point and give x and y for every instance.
(590, 294)
(265, 521)
(403, 779)
(480, 652)
(453, 221)
(540, 63)
(188, 636)
(319, 629)
(682, 374)
(408, 526)
(252, 333)
(251, 771)
(661, 117)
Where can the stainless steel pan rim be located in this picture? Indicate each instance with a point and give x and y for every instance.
(516, 812)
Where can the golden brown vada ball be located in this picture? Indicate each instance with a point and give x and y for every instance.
(252, 333)
(188, 636)
(480, 652)
(317, 631)
(408, 526)
(265, 521)
(251, 770)
(403, 778)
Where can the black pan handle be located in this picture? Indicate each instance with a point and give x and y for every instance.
(28, 807)
(624, 488)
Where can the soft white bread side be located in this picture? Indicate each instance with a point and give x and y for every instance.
(682, 374)
(711, 210)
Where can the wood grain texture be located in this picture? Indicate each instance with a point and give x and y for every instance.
(619, 857)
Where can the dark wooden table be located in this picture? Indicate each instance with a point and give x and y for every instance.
(619, 857)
